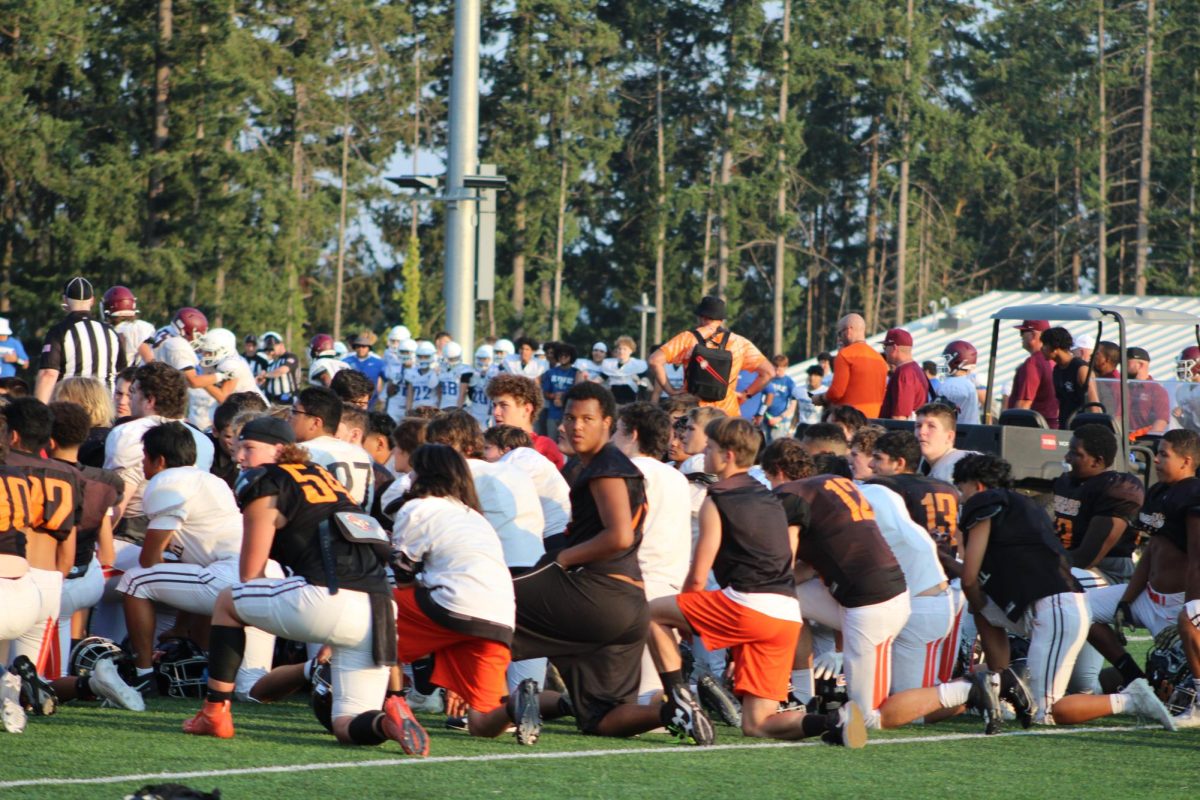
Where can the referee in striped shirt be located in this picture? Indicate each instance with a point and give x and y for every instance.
(79, 346)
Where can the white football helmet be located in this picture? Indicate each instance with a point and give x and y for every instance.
(483, 356)
(425, 354)
(396, 336)
(406, 351)
(503, 348)
(216, 345)
(452, 352)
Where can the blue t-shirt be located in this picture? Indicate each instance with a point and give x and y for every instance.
(372, 366)
(781, 390)
(11, 345)
(751, 407)
(555, 380)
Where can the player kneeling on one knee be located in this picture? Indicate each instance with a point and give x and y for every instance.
(746, 542)
(297, 513)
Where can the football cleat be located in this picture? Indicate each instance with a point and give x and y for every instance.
(686, 721)
(402, 727)
(525, 712)
(213, 719)
(1015, 690)
(1187, 719)
(457, 724)
(849, 728)
(37, 695)
(432, 703)
(719, 701)
(985, 698)
(107, 684)
(147, 685)
(1143, 701)
(10, 702)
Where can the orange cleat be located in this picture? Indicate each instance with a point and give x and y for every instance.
(213, 719)
(399, 725)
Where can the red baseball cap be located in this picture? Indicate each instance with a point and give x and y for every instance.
(1033, 325)
(898, 337)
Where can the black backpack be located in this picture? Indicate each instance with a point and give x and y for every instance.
(707, 372)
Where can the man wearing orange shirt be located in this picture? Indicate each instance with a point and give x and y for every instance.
(711, 314)
(859, 373)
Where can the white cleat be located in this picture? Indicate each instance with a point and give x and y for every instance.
(1189, 718)
(106, 683)
(10, 703)
(1143, 701)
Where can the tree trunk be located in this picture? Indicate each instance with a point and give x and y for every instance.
(708, 227)
(872, 229)
(781, 192)
(340, 274)
(724, 246)
(559, 235)
(1076, 245)
(520, 224)
(660, 232)
(162, 92)
(1141, 254)
(1195, 153)
(291, 269)
(1102, 189)
(902, 221)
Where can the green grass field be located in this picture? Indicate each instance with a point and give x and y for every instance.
(280, 752)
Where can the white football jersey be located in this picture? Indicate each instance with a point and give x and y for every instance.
(478, 403)
(123, 453)
(510, 503)
(424, 386)
(329, 365)
(451, 383)
(243, 378)
(627, 374)
(175, 350)
(202, 511)
(666, 550)
(551, 486)
(594, 371)
(349, 463)
(462, 563)
(133, 333)
(911, 544)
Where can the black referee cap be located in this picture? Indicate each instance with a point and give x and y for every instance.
(78, 289)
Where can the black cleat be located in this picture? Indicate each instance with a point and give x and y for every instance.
(1015, 690)
(37, 695)
(719, 701)
(146, 685)
(457, 724)
(525, 712)
(685, 719)
(849, 728)
(985, 698)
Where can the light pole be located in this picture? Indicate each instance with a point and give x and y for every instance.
(459, 287)
(644, 308)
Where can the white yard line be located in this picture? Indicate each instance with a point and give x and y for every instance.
(668, 750)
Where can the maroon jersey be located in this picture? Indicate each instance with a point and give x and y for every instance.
(1035, 381)
(839, 538)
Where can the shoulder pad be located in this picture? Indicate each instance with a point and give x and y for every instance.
(166, 499)
(247, 479)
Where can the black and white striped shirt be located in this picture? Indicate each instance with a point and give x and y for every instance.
(282, 389)
(82, 347)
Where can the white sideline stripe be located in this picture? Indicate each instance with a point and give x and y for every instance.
(413, 762)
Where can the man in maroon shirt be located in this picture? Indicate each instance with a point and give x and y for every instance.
(1149, 404)
(908, 387)
(1033, 385)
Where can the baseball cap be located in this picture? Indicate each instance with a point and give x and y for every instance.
(898, 337)
(78, 288)
(601, 346)
(5, 328)
(362, 340)
(1039, 325)
(1136, 354)
(711, 307)
(249, 338)
(1085, 341)
(270, 430)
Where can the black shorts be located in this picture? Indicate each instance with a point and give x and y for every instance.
(592, 628)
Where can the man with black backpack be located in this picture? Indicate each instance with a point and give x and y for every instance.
(712, 356)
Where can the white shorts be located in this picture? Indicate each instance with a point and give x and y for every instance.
(867, 636)
(39, 641)
(1085, 677)
(817, 604)
(296, 610)
(1151, 609)
(22, 602)
(918, 649)
(82, 592)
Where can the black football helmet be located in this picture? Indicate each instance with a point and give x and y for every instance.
(89, 651)
(181, 668)
(321, 695)
(1168, 673)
